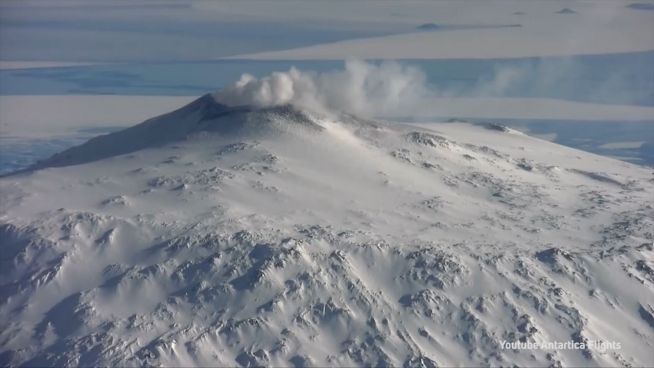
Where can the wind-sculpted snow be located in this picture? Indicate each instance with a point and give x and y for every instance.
(235, 236)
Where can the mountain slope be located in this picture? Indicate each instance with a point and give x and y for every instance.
(201, 115)
(230, 236)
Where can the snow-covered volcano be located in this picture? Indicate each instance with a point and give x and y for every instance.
(223, 236)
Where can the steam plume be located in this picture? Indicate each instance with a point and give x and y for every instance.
(361, 88)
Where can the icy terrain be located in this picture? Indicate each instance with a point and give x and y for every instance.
(271, 235)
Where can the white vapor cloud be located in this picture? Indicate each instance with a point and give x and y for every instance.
(361, 88)
(401, 91)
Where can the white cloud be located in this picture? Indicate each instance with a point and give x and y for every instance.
(362, 88)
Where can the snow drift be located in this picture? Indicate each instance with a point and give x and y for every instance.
(269, 235)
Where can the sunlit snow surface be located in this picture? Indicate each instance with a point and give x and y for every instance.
(624, 79)
(222, 236)
(243, 236)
